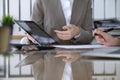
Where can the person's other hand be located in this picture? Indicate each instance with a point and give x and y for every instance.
(68, 56)
(105, 38)
(69, 31)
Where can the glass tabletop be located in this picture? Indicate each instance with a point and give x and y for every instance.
(23, 64)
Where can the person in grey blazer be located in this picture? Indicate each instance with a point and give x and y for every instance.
(49, 15)
(68, 22)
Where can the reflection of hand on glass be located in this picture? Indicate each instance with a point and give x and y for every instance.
(68, 56)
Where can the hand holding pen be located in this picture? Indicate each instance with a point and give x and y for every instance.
(104, 38)
(106, 30)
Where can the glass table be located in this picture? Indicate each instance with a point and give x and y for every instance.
(25, 64)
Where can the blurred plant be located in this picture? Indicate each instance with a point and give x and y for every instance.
(7, 20)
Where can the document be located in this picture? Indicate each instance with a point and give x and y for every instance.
(79, 46)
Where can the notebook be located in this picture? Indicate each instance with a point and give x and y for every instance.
(37, 33)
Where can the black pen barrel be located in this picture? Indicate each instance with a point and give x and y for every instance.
(110, 29)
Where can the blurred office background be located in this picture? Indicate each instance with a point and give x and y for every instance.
(22, 10)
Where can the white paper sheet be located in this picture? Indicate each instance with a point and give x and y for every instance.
(79, 46)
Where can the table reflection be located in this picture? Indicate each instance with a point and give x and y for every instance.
(49, 64)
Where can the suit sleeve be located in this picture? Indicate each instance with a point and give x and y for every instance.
(37, 14)
(86, 29)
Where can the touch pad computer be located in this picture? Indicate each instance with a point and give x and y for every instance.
(35, 31)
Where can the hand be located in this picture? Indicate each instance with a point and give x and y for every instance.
(68, 56)
(105, 38)
(69, 31)
(30, 38)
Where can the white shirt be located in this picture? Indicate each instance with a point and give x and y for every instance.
(67, 10)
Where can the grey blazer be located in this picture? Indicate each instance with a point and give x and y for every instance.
(48, 14)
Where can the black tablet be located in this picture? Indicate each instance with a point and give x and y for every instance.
(35, 31)
(39, 47)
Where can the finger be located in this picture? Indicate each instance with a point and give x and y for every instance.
(94, 32)
(68, 60)
(66, 27)
(101, 41)
(97, 31)
(101, 29)
(59, 55)
(64, 37)
(100, 38)
(63, 55)
(61, 32)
